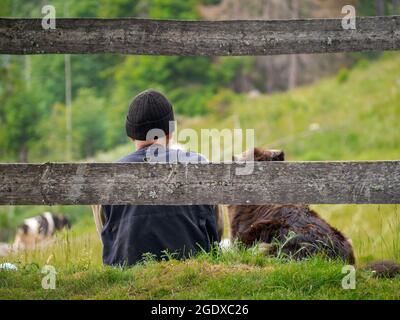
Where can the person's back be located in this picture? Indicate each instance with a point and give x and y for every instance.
(131, 232)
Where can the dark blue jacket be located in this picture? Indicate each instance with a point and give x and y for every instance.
(130, 231)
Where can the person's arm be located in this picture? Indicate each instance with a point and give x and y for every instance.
(99, 218)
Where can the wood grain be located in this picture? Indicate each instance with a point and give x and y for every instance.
(198, 38)
(145, 183)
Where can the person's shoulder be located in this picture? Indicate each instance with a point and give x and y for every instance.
(199, 156)
(132, 157)
(127, 158)
(191, 156)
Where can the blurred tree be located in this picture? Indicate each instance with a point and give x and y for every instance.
(90, 124)
(117, 8)
(20, 112)
(281, 72)
(90, 127)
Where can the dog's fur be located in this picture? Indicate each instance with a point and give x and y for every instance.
(36, 229)
(295, 230)
(384, 269)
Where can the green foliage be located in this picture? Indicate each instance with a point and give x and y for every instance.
(221, 103)
(20, 112)
(211, 2)
(89, 127)
(343, 75)
(111, 80)
(90, 123)
(368, 8)
(172, 9)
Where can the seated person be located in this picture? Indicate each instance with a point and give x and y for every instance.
(130, 231)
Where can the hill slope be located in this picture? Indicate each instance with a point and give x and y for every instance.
(353, 116)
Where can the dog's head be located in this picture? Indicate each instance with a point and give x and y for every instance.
(259, 154)
(61, 222)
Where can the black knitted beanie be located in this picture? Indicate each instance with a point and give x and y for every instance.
(149, 110)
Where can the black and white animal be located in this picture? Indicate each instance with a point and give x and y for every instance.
(37, 229)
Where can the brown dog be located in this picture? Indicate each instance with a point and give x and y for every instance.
(293, 230)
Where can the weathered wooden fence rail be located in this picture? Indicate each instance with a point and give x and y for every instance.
(198, 38)
(143, 183)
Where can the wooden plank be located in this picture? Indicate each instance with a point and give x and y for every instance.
(145, 183)
(198, 38)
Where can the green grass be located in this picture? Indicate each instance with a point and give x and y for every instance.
(358, 114)
(374, 229)
(236, 274)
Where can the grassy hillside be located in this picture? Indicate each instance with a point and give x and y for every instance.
(353, 115)
(357, 113)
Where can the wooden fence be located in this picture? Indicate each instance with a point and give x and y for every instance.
(144, 183)
(198, 38)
